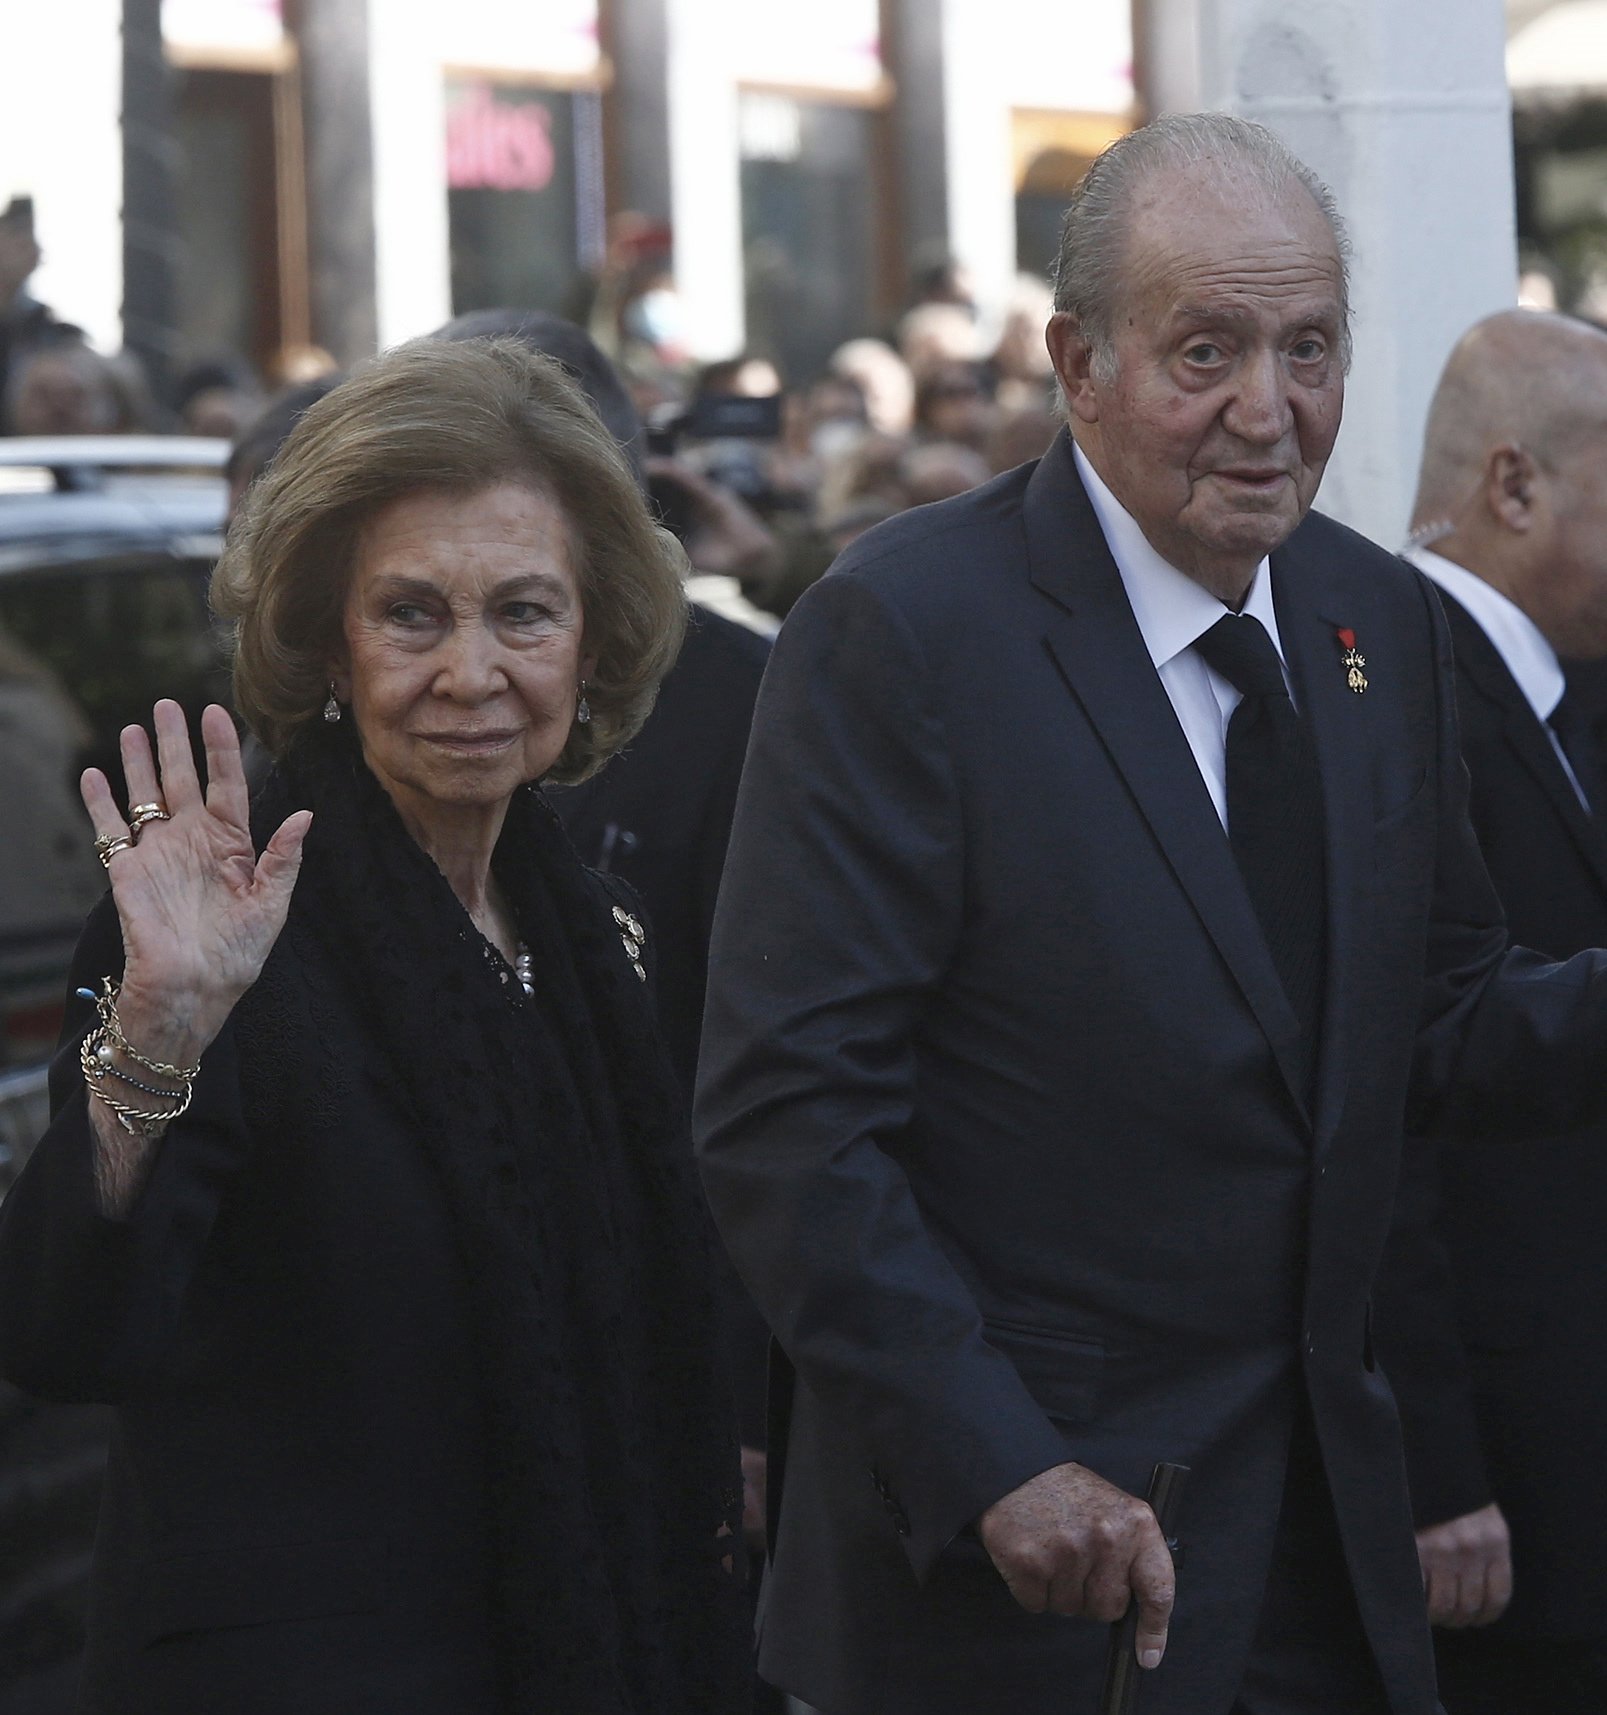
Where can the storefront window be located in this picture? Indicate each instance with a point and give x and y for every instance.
(1071, 97)
(230, 59)
(1052, 152)
(808, 210)
(525, 194)
(226, 215)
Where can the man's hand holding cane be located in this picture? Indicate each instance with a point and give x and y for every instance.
(1068, 1542)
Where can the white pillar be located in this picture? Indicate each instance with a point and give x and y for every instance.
(1402, 107)
(1170, 33)
(1001, 58)
(61, 143)
(412, 250)
(979, 52)
(705, 179)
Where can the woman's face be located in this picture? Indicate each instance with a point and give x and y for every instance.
(463, 646)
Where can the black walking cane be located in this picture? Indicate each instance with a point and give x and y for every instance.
(1122, 1672)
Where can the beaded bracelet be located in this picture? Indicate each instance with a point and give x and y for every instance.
(97, 1060)
(134, 1083)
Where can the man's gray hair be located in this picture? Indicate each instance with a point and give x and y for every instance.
(1093, 235)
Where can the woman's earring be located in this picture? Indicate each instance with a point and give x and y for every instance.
(583, 708)
(331, 708)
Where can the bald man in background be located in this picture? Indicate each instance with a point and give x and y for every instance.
(1493, 1304)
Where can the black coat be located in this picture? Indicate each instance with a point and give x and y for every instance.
(999, 1112)
(659, 815)
(293, 1511)
(1502, 1387)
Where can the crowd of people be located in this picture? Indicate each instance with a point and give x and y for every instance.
(1089, 934)
(950, 397)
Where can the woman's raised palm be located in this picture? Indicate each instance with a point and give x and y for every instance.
(200, 911)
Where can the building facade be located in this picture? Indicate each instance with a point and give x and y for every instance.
(347, 173)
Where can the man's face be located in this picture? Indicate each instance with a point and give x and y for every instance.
(1216, 425)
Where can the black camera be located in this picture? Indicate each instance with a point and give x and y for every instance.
(721, 419)
(715, 417)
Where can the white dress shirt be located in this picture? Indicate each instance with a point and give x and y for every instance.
(1172, 611)
(1515, 637)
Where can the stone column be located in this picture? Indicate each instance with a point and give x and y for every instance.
(978, 163)
(1166, 55)
(1402, 107)
(338, 126)
(638, 135)
(915, 45)
(412, 242)
(706, 179)
(150, 171)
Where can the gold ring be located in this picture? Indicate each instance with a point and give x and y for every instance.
(107, 846)
(143, 813)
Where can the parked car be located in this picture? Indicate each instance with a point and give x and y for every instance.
(106, 546)
(105, 550)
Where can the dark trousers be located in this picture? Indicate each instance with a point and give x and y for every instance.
(1488, 1673)
(1310, 1655)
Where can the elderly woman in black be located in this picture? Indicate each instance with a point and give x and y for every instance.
(365, 1201)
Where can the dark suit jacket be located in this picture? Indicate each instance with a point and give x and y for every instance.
(293, 1510)
(1508, 1399)
(998, 1109)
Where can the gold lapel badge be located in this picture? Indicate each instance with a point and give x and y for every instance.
(1352, 659)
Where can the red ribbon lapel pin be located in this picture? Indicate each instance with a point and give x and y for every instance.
(1352, 660)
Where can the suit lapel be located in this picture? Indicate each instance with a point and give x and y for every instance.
(1096, 643)
(1479, 659)
(1309, 619)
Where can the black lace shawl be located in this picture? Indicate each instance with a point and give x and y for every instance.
(556, 1132)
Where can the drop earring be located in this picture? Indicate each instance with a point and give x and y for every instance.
(331, 707)
(583, 708)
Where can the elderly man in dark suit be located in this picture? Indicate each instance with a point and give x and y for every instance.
(1101, 881)
(1501, 1384)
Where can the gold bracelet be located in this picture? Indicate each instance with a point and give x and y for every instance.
(97, 1060)
(130, 1118)
(106, 1006)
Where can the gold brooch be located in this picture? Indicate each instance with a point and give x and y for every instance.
(632, 937)
(1352, 659)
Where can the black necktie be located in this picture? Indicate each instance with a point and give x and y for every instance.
(1576, 733)
(1275, 822)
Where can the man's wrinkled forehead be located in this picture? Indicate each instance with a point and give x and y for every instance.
(1212, 220)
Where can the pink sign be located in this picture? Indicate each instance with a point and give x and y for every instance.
(498, 146)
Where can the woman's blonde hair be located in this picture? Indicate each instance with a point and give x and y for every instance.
(431, 415)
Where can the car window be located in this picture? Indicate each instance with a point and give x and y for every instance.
(85, 648)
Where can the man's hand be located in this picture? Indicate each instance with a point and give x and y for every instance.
(1467, 1568)
(1070, 1543)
